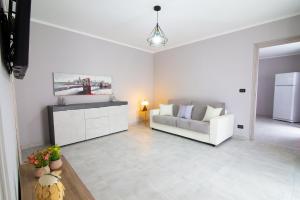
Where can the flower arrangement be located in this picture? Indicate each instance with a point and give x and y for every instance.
(45, 160)
(55, 153)
(39, 159)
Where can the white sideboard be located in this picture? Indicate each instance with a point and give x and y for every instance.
(78, 122)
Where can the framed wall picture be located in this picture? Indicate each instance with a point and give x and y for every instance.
(76, 84)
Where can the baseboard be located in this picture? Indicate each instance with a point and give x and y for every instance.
(29, 146)
(240, 136)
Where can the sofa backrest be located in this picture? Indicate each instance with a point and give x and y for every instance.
(177, 102)
(199, 108)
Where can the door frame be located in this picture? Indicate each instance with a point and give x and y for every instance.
(256, 48)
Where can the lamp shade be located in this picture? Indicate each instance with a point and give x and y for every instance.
(145, 103)
(157, 37)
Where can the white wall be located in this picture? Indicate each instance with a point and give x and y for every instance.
(216, 68)
(266, 80)
(55, 50)
(8, 138)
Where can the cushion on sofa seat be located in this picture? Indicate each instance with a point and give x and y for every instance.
(166, 120)
(193, 125)
(199, 108)
(183, 123)
(199, 126)
(176, 103)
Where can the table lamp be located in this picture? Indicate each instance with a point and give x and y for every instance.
(145, 109)
(145, 103)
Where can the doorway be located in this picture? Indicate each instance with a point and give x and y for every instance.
(275, 111)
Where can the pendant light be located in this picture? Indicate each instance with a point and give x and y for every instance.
(157, 37)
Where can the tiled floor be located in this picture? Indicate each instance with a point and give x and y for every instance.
(279, 133)
(143, 164)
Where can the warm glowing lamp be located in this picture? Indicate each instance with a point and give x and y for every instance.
(145, 103)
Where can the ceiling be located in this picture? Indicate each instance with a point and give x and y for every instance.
(183, 21)
(280, 50)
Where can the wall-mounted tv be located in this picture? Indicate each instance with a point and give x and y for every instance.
(15, 30)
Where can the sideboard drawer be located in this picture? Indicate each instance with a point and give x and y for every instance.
(96, 112)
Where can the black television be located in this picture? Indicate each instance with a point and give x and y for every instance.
(15, 32)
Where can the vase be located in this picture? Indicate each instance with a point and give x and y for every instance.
(56, 164)
(49, 187)
(41, 171)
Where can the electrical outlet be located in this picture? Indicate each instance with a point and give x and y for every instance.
(242, 90)
(240, 126)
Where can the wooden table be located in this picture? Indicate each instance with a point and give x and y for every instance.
(75, 189)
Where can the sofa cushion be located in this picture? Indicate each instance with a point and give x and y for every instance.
(199, 126)
(188, 112)
(211, 113)
(185, 111)
(198, 111)
(166, 120)
(193, 125)
(219, 105)
(181, 111)
(183, 123)
(176, 103)
(166, 109)
(200, 108)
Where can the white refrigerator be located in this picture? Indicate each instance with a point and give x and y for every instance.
(287, 97)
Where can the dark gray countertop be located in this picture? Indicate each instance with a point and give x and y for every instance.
(86, 105)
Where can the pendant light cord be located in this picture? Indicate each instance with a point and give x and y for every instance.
(156, 17)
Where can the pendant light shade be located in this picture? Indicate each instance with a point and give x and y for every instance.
(157, 37)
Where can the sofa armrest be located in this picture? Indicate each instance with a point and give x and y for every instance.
(152, 113)
(221, 128)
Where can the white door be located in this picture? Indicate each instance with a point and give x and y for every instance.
(283, 102)
(69, 126)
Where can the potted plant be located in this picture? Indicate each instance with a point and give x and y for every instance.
(55, 157)
(40, 160)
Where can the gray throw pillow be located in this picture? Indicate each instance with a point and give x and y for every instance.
(181, 111)
(188, 111)
(185, 111)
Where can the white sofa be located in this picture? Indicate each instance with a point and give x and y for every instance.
(213, 132)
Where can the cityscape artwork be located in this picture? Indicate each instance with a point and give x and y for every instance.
(75, 84)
